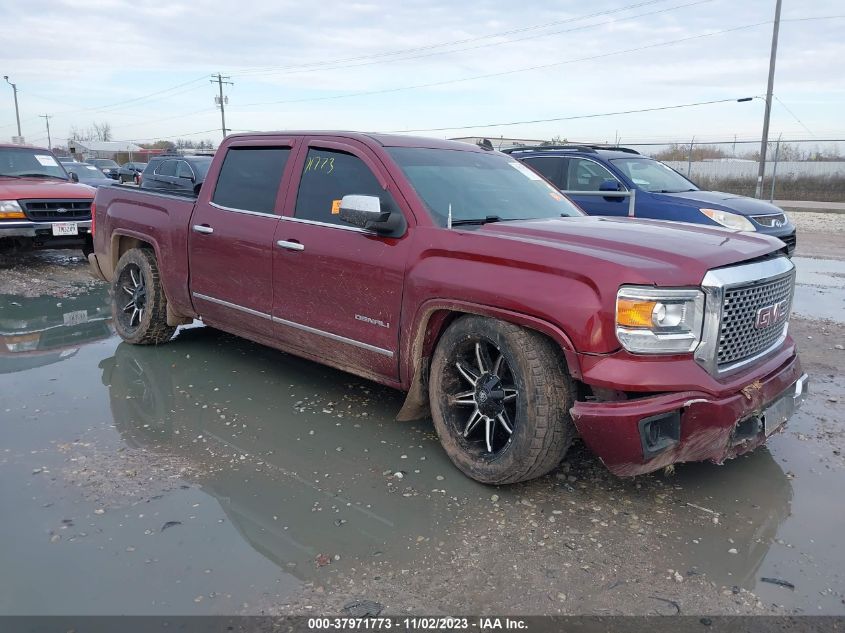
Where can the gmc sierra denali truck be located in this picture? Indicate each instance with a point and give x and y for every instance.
(467, 280)
(40, 204)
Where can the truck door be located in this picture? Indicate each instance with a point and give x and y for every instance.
(583, 174)
(337, 289)
(230, 239)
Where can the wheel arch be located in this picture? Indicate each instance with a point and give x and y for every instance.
(121, 242)
(432, 319)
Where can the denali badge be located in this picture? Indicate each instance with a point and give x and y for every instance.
(372, 321)
(770, 315)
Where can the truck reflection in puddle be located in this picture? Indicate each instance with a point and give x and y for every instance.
(295, 483)
(38, 331)
(752, 496)
(232, 409)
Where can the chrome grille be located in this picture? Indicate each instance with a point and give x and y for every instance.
(739, 337)
(60, 210)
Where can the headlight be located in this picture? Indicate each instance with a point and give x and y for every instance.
(11, 210)
(730, 220)
(659, 320)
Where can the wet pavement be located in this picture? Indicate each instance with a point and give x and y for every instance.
(213, 475)
(820, 288)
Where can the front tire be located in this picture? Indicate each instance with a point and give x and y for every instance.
(139, 306)
(500, 399)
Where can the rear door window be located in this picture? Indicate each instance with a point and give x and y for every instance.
(184, 170)
(552, 167)
(250, 177)
(166, 168)
(327, 176)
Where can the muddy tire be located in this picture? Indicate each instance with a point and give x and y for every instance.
(500, 398)
(139, 306)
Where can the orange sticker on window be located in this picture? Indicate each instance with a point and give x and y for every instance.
(556, 195)
(335, 207)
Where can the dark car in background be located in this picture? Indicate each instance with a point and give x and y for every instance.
(176, 173)
(129, 172)
(105, 165)
(660, 192)
(87, 174)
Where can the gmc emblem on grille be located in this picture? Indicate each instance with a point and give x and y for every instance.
(770, 315)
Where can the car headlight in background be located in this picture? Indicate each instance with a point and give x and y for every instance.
(729, 220)
(659, 320)
(11, 210)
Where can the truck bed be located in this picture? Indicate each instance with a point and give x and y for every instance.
(163, 219)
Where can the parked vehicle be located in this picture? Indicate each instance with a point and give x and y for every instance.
(659, 191)
(65, 160)
(462, 277)
(129, 172)
(106, 165)
(39, 203)
(176, 173)
(87, 174)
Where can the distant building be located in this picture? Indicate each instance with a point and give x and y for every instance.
(102, 149)
(500, 142)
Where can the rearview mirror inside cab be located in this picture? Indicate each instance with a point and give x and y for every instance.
(368, 213)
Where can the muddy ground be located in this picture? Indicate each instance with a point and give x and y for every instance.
(212, 475)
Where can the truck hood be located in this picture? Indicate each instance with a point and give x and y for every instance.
(723, 201)
(26, 188)
(643, 251)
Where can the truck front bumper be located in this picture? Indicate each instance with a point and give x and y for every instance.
(40, 230)
(637, 436)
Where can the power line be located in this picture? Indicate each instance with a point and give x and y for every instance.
(530, 68)
(336, 66)
(221, 100)
(568, 118)
(259, 70)
(794, 116)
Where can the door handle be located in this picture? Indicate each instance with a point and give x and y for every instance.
(203, 228)
(291, 246)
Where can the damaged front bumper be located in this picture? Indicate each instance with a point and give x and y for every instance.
(638, 436)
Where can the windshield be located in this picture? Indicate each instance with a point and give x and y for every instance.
(85, 171)
(104, 162)
(653, 176)
(479, 186)
(29, 162)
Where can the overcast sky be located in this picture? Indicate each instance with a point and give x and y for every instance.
(144, 67)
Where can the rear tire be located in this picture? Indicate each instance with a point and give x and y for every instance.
(139, 305)
(500, 399)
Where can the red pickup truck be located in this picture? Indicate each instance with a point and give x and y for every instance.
(40, 204)
(465, 279)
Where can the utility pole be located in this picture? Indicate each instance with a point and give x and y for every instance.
(17, 114)
(765, 140)
(47, 118)
(221, 100)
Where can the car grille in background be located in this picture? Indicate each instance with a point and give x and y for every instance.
(790, 242)
(56, 210)
(739, 338)
(770, 221)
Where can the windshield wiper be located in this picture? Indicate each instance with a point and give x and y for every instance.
(486, 220)
(41, 176)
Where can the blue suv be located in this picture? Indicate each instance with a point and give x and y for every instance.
(659, 191)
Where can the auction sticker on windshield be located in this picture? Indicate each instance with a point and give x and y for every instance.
(65, 228)
(46, 161)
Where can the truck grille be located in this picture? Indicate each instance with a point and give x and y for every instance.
(56, 210)
(739, 336)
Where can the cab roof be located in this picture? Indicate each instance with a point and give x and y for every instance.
(385, 140)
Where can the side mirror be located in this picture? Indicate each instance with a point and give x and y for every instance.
(367, 212)
(74, 177)
(610, 185)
